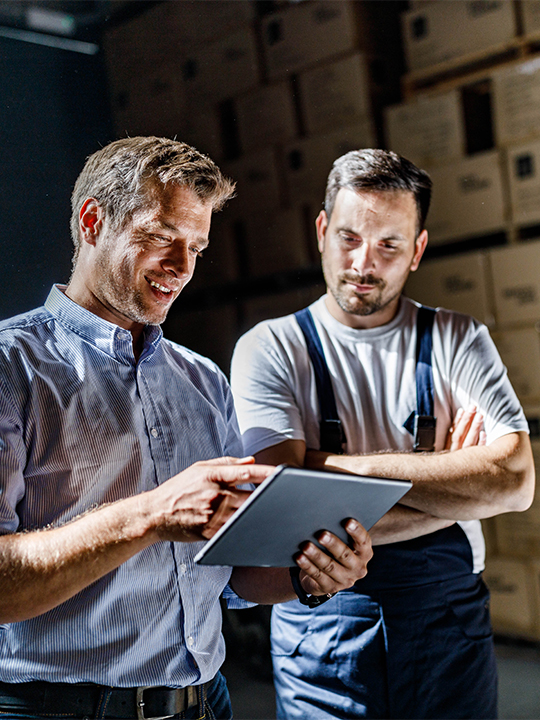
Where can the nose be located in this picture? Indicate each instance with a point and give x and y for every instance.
(178, 261)
(363, 260)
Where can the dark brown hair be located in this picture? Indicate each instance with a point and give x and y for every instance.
(374, 169)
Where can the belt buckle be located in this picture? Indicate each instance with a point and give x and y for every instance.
(139, 703)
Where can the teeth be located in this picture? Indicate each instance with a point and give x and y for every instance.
(159, 287)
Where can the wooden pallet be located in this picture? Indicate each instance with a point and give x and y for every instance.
(448, 74)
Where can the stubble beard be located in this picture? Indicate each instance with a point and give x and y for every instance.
(117, 289)
(361, 305)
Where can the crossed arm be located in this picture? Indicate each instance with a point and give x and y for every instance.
(468, 480)
(40, 570)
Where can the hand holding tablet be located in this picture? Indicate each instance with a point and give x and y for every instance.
(293, 505)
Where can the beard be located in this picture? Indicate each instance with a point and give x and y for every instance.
(116, 288)
(355, 304)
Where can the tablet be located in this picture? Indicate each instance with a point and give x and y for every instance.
(292, 505)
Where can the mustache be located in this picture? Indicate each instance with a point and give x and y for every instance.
(363, 279)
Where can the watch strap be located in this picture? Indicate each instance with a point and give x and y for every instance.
(312, 601)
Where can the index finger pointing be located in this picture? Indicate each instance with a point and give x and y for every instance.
(234, 474)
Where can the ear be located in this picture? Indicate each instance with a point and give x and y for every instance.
(419, 247)
(321, 223)
(90, 221)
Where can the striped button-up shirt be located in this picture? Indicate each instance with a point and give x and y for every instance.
(81, 424)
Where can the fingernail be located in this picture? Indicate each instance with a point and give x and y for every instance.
(471, 408)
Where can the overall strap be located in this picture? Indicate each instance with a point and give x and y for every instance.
(424, 421)
(332, 435)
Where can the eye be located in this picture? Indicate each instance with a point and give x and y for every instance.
(196, 251)
(348, 238)
(161, 239)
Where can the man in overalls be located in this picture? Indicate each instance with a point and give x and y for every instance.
(367, 381)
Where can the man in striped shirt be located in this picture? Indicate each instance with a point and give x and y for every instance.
(120, 455)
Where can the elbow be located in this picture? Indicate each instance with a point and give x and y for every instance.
(522, 494)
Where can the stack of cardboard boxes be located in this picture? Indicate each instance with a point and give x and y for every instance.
(478, 134)
(274, 98)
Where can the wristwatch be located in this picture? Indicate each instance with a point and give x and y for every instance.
(312, 601)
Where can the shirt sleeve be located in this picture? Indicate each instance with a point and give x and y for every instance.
(12, 462)
(262, 380)
(234, 601)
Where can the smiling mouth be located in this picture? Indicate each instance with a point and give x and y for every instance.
(161, 288)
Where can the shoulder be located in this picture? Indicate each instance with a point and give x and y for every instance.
(18, 324)
(20, 332)
(277, 332)
(446, 322)
(200, 370)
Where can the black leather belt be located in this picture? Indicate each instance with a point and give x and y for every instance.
(86, 700)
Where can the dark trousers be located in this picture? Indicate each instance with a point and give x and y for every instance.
(423, 653)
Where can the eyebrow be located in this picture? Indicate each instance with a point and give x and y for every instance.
(163, 224)
(350, 231)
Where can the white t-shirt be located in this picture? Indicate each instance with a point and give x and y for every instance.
(373, 376)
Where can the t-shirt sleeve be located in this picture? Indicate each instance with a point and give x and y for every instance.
(480, 377)
(262, 374)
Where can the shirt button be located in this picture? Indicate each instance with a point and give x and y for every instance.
(190, 641)
(183, 568)
(154, 432)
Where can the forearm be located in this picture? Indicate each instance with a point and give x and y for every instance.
(471, 483)
(404, 523)
(39, 570)
(266, 586)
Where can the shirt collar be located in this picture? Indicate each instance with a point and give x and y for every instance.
(108, 337)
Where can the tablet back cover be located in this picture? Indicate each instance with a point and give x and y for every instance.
(292, 506)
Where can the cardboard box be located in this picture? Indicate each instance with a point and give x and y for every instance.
(335, 94)
(516, 101)
(138, 45)
(428, 130)
(223, 68)
(530, 15)
(468, 199)
(524, 175)
(193, 23)
(513, 604)
(520, 352)
(148, 103)
(308, 161)
(516, 283)
(532, 413)
(201, 128)
(310, 32)
(518, 534)
(445, 31)
(257, 183)
(489, 531)
(275, 241)
(534, 569)
(266, 116)
(458, 282)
